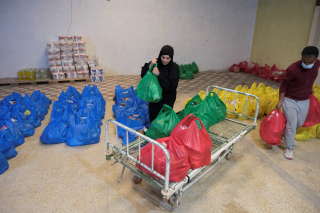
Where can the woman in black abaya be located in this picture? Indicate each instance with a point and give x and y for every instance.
(168, 76)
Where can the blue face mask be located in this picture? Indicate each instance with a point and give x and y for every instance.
(307, 66)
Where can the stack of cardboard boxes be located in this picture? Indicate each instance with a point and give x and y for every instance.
(67, 58)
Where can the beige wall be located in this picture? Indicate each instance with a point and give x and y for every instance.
(123, 34)
(281, 31)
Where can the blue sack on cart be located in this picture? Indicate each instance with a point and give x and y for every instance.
(131, 120)
(83, 130)
(4, 165)
(55, 132)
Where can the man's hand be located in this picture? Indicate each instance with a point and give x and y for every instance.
(280, 105)
(156, 71)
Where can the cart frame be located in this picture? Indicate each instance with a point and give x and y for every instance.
(223, 137)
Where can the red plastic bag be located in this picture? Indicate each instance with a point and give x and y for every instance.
(234, 68)
(191, 132)
(179, 164)
(313, 116)
(243, 65)
(272, 127)
(255, 69)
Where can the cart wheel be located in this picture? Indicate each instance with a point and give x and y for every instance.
(136, 179)
(229, 155)
(175, 200)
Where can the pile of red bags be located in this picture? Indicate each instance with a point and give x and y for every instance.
(267, 72)
(313, 116)
(189, 146)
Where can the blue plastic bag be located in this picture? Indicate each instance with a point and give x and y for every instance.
(12, 99)
(12, 133)
(132, 120)
(30, 114)
(83, 131)
(4, 165)
(93, 91)
(93, 104)
(124, 95)
(7, 148)
(72, 94)
(55, 132)
(61, 111)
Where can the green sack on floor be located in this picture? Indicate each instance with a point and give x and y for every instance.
(185, 72)
(162, 126)
(195, 67)
(149, 88)
(211, 110)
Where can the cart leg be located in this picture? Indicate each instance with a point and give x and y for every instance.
(229, 155)
(136, 179)
(175, 199)
(122, 173)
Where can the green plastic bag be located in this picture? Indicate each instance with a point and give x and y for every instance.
(195, 67)
(211, 110)
(185, 72)
(149, 88)
(164, 123)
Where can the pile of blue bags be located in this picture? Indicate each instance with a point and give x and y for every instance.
(131, 111)
(19, 116)
(76, 118)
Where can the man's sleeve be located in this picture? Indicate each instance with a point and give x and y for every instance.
(284, 84)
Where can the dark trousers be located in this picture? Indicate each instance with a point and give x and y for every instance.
(154, 108)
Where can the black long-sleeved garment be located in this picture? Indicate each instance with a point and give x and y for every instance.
(168, 79)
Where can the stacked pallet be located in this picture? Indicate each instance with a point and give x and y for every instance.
(67, 58)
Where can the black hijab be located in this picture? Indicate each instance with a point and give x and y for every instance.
(166, 50)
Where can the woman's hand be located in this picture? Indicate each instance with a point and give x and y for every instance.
(156, 71)
(153, 61)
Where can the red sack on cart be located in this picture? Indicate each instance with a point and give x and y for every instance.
(179, 164)
(313, 116)
(191, 132)
(234, 68)
(272, 127)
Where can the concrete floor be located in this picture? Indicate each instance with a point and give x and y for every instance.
(58, 178)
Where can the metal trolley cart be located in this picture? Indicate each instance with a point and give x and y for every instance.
(224, 135)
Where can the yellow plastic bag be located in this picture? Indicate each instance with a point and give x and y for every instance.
(306, 133)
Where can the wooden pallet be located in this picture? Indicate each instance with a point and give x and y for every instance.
(14, 81)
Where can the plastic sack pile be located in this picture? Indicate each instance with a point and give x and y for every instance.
(267, 72)
(187, 71)
(210, 110)
(131, 111)
(306, 133)
(19, 116)
(189, 146)
(76, 118)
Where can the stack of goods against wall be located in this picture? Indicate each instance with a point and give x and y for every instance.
(67, 58)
